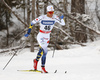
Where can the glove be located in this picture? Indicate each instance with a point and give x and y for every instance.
(62, 16)
(26, 35)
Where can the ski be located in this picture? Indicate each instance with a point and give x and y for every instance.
(30, 71)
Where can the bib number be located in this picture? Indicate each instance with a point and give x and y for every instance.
(47, 27)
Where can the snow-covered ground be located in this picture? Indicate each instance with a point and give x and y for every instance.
(81, 63)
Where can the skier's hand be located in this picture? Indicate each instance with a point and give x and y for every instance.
(62, 16)
(26, 35)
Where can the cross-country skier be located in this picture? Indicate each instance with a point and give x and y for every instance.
(46, 25)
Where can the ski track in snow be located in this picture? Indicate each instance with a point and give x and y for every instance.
(81, 63)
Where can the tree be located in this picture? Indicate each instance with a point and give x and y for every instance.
(5, 18)
(78, 6)
(28, 11)
(33, 17)
(45, 5)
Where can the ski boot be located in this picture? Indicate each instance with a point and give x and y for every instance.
(35, 64)
(43, 69)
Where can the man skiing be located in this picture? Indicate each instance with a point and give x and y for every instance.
(46, 25)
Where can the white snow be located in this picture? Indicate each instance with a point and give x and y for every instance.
(81, 63)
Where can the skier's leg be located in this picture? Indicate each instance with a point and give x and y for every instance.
(44, 56)
(40, 53)
(44, 60)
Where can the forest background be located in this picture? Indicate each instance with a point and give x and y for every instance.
(82, 18)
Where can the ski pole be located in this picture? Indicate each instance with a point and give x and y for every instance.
(55, 44)
(53, 51)
(10, 60)
(14, 54)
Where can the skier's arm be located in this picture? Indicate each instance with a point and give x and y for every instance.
(61, 20)
(31, 25)
(29, 30)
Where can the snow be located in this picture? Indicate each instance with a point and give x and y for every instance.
(81, 63)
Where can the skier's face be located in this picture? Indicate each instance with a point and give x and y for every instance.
(50, 13)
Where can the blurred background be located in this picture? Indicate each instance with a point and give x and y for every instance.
(16, 15)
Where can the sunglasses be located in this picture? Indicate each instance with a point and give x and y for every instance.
(51, 12)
